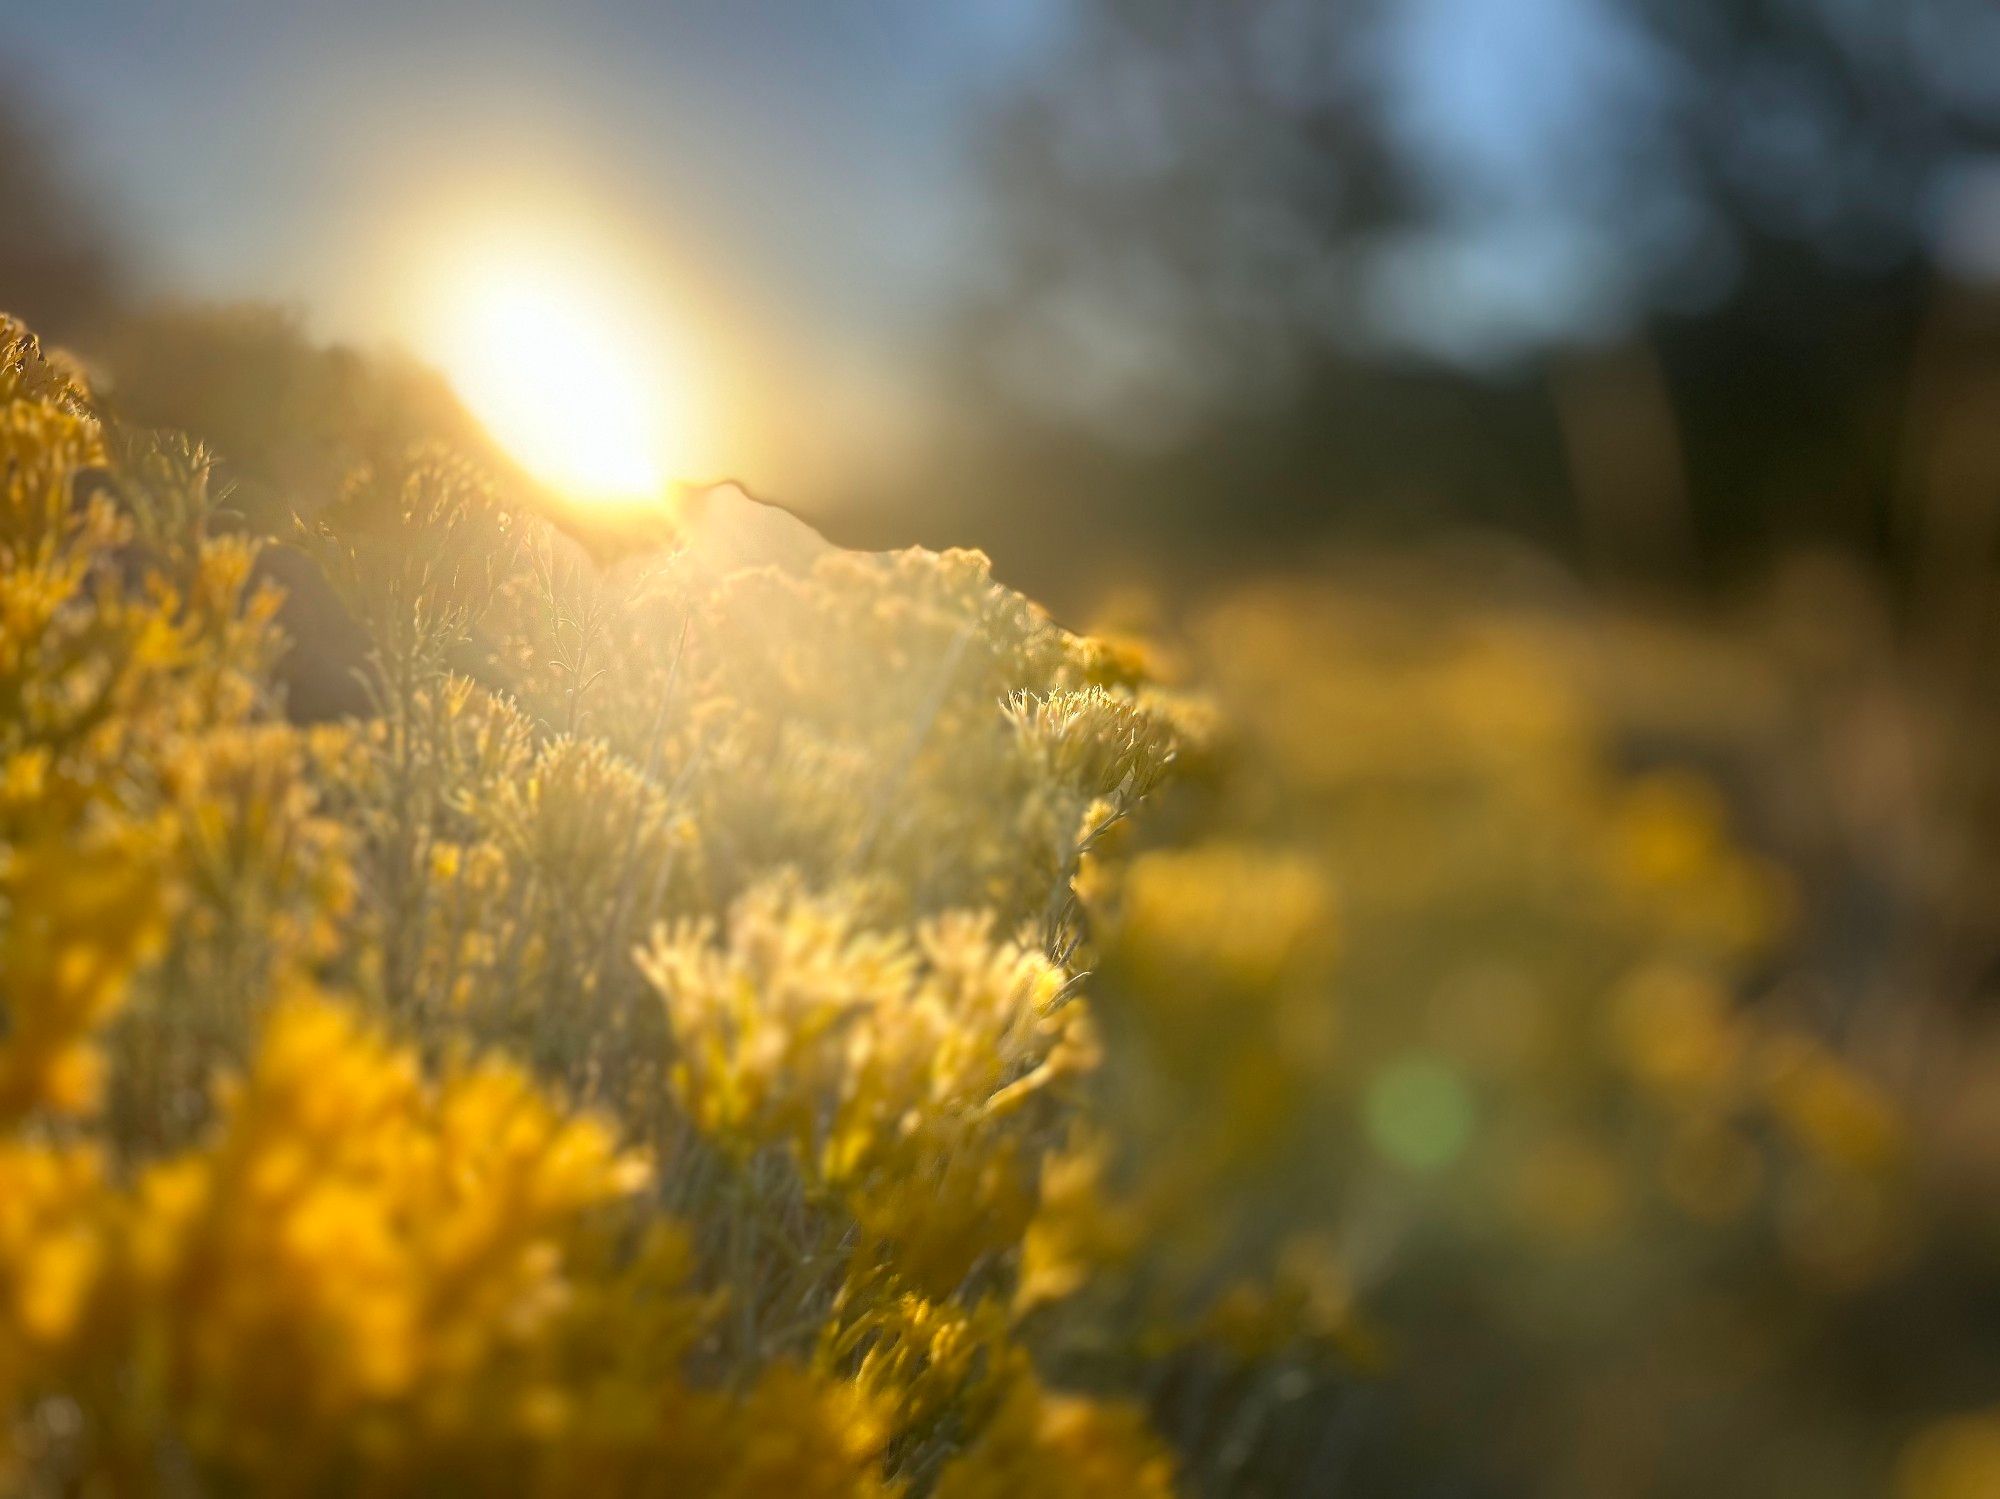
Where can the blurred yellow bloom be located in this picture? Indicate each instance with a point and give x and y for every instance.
(1831, 1109)
(1954, 1459)
(990, 1121)
(76, 921)
(1060, 1445)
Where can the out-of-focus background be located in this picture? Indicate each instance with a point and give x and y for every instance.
(1563, 436)
(1673, 289)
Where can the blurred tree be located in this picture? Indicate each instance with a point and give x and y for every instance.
(1243, 283)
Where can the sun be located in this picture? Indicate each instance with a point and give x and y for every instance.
(559, 357)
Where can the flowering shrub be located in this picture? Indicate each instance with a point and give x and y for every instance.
(819, 1027)
(755, 878)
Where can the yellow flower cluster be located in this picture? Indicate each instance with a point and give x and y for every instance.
(821, 1028)
(368, 1280)
(254, 1238)
(1446, 1044)
(896, 1069)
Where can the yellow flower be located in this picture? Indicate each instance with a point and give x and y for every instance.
(1058, 1445)
(76, 921)
(1952, 1459)
(899, 1072)
(53, 1229)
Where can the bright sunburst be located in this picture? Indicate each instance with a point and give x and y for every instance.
(547, 352)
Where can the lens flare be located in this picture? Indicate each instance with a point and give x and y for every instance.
(547, 352)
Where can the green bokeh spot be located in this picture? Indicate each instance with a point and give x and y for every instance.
(1418, 1113)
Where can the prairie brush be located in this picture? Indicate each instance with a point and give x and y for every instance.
(828, 1029)
(257, 1237)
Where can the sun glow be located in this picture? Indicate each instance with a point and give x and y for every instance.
(562, 364)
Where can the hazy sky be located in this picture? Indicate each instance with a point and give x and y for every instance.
(255, 146)
(792, 173)
(787, 174)
(263, 146)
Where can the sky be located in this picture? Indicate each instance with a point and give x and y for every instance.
(788, 179)
(783, 180)
(257, 146)
(805, 159)
(261, 146)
